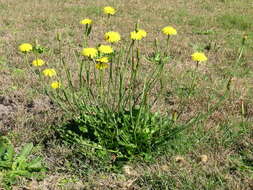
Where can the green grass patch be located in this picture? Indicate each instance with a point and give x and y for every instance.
(239, 22)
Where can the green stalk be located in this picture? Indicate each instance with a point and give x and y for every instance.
(109, 21)
(29, 65)
(80, 74)
(161, 78)
(108, 92)
(167, 45)
(95, 72)
(120, 91)
(68, 74)
(136, 69)
(90, 93)
(194, 78)
(156, 45)
(128, 52)
(101, 86)
(143, 105)
(26, 60)
(85, 36)
(119, 79)
(132, 82)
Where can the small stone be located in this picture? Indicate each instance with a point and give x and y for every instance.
(165, 167)
(128, 170)
(203, 158)
(179, 159)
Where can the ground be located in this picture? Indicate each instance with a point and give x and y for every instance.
(215, 154)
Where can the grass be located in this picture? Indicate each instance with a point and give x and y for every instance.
(225, 136)
(232, 21)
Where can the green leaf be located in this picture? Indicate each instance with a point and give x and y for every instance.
(9, 155)
(24, 173)
(2, 150)
(84, 129)
(6, 150)
(12, 167)
(89, 30)
(35, 164)
(5, 164)
(25, 152)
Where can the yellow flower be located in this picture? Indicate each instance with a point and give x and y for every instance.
(198, 56)
(86, 21)
(109, 10)
(90, 52)
(55, 84)
(103, 60)
(38, 62)
(101, 66)
(138, 34)
(142, 32)
(105, 49)
(49, 72)
(169, 30)
(25, 47)
(112, 37)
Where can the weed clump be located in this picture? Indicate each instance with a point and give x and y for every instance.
(108, 96)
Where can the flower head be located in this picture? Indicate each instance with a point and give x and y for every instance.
(86, 21)
(38, 62)
(102, 66)
(198, 56)
(112, 37)
(103, 60)
(105, 49)
(109, 10)
(55, 84)
(25, 47)
(138, 34)
(142, 32)
(169, 30)
(90, 52)
(49, 72)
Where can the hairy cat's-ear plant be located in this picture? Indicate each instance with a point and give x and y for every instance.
(125, 107)
(109, 11)
(105, 49)
(117, 119)
(38, 62)
(25, 48)
(88, 28)
(168, 31)
(162, 54)
(55, 84)
(112, 37)
(198, 57)
(137, 35)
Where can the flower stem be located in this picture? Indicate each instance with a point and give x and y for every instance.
(167, 45)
